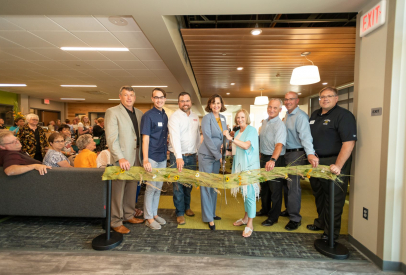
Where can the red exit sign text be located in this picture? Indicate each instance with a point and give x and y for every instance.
(373, 18)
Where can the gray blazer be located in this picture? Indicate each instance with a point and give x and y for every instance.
(120, 134)
(213, 136)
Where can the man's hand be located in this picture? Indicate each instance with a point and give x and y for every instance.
(270, 165)
(179, 164)
(124, 164)
(147, 166)
(335, 169)
(42, 169)
(314, 161)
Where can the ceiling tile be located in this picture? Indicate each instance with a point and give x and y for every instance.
(33, 22)
(7, 57)
(7, 26)
(115, 56)
(25, 39)
(155, 65)
(89, 56)
(162, 73)
(151, 81)
(52, 65)
(106, 65)
(60, 38)
(133, 39)
(131, 65)
(138, 73)
(131, 25)
(25, 54)
(71, 73)
(94, 73)
(98, 39)
(78, 23)
(77, 65)
(4, 43)
(146, 54)
(116, 72)
(26, 65)
(55, 54)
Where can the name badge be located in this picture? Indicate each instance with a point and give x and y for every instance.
(222, 119)
(159, 124)
(311, 121)
(194, 119)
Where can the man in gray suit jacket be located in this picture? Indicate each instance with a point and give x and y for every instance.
(123, 124)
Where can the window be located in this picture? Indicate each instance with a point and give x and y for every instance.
(6, 113)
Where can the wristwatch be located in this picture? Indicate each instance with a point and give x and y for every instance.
(273, 159)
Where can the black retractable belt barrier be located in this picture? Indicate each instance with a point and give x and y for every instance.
(329, 247)
(108, 240)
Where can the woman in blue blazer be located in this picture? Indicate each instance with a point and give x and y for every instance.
(213, 125)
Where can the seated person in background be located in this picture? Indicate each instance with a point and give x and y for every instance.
(18, 123)
(86, 158)
(58, 124)
(51, 126)
(2, 124)
(54, 157)
(15, 162)
(64, 130)
(103, 159)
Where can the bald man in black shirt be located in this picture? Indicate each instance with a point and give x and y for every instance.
(334, 134)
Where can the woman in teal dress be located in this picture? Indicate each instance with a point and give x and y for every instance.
(18, 123)
(246, 158)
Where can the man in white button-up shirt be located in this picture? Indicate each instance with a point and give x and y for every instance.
(184, 142)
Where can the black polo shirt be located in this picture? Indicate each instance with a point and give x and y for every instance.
(135, 123)
(330, 130)
(154, 123)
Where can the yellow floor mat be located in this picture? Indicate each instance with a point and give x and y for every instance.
(233, 210)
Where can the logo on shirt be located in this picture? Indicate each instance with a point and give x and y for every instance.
(194, 119)
(326, 121)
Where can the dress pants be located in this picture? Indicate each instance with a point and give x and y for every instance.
(321, 192)
(271, 191)
(293, 185)
(208, 196)
(123, 193)
(151, 197)
(181, 193)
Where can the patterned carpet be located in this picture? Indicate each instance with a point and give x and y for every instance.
(74, 234)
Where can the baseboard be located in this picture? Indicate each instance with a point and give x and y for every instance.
(383, 265)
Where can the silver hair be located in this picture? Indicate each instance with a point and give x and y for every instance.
(277, 99)
(83, 141)
(31, 116)
(4, 134)
(297, 96)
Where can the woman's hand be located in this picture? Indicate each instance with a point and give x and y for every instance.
(226, 133)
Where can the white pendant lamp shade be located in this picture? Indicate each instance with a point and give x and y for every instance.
(261, 100)
(305, 75)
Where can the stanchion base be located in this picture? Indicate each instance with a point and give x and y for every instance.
(339, 251)
(101, 242)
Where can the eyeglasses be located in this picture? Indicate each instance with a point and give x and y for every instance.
(158, 97)
(184, 101)
(58, 141)
(326, 96)
(13, 142)
(289, 99)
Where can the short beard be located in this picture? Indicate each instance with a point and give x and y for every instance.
(186, 110)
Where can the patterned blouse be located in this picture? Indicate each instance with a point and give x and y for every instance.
(53, 157)
(28, 142)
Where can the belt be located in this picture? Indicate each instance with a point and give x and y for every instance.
(188, 155)
(327, 156)
(294, 150)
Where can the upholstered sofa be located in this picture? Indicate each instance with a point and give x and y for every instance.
(62, 192)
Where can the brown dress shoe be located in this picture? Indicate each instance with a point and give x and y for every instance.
(135, 220)
(181, 220)
(121, 229)
(189, 213)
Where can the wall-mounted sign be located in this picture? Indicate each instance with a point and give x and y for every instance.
(46, 101)
(373, 19)
(376, 111)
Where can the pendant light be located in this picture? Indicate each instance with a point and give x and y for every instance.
(256, 31)
(261, 100)
(305, 75)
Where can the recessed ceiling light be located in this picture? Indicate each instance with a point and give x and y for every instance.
(72, 98)
(87, 86)
(299, 93)
(224, 54)
(228, 93)
(325, 83)
(240, 68)
(94, 49)
(114, 99)
(13, 85)
(232, 83)
(256, 31)
(149, 86)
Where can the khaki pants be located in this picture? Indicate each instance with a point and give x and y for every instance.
(123, 194)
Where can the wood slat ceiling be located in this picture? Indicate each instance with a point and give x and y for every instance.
(215, 55)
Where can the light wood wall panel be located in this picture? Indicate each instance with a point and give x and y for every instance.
(85, 108)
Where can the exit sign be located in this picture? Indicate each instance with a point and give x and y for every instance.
(373, 19)
(46, 101)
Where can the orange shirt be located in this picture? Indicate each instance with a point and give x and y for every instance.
(86, 159)
(219, 123)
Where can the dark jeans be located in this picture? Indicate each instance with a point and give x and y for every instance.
(271, 191)
(181, 193)
(321, 189)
